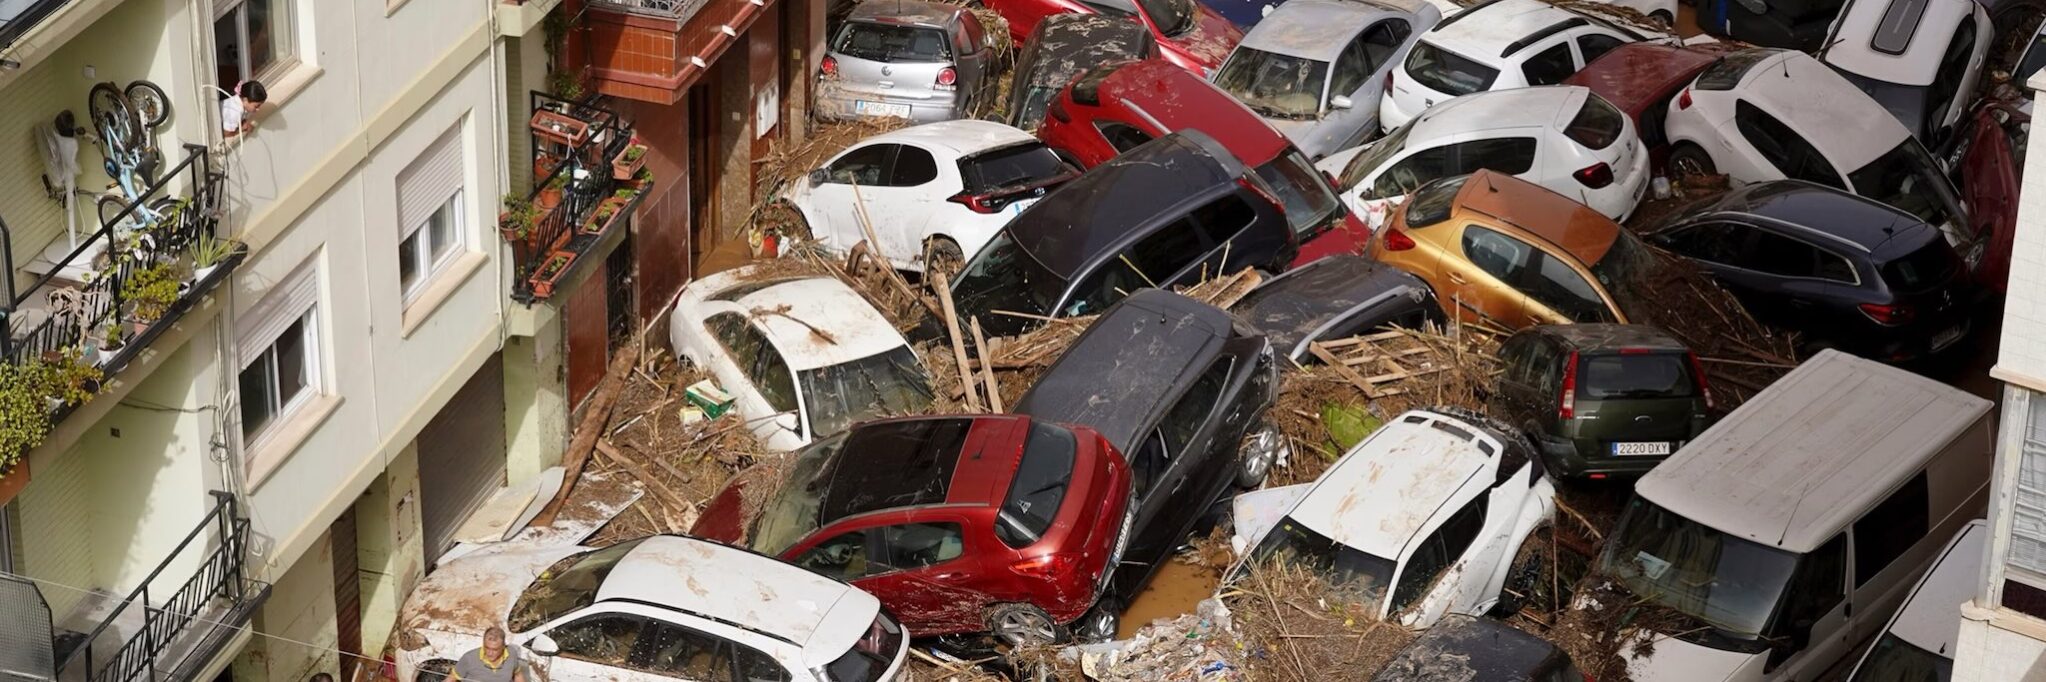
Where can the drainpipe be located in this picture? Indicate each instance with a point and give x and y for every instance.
(500, 141)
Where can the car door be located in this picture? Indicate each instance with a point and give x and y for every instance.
(903, 204)
(1480, 284)
(1158, 259)
(1719, 246)
(1794, 281)
(1413, 167)
(1359, 76)
(929, 565)
(1810, 623)
(736, 370)
(1418, 598)
(600, 646)
(837, 219)
(684, 653)
(1786, 152)
(1173, 468)
(1559, 294)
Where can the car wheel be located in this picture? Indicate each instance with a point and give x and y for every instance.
(1261, 449)
(786, 218)
(1020, 625)
(1100, 623)
(941, 254)
(1688, 160)
(1664, 18)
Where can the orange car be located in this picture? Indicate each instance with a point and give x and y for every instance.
(1506, 251)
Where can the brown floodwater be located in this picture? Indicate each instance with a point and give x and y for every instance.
(1173, 592)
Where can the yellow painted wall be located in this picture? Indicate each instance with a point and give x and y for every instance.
(389, 547)
(297, 634)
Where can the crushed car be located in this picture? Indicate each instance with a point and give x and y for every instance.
(1335, 298)
(1495, 46)
(1921, 640)
(1189, 34)
(1642, 79)
(1061, 48)
(1923, 61)
(910, 59)
(1462, 648)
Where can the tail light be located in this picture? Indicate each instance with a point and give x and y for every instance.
(1684, 99)
(829, 67)
(1396, 240)
(979, 203)
(1569, 407)
(1047, 567)
(947, 78)
(1704, 387)
(1595, 176)
(1889, 315)
(1388, 81)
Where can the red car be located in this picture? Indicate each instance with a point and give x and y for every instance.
(1640, 79)
(1189, 34)
(958, 524)
(1990, 175)
(1113, 108)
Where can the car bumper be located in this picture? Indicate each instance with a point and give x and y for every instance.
(1921, 341)
(1392, 115)
(842, 105)
(1566, 458)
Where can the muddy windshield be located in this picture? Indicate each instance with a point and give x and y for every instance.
(1906, 178)
(1671, 561)
(569, 584)
(793, 510)
(1002, 277)
(1274, 85)
(885, 384)
(1355, 575)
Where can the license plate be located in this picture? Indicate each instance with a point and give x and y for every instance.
(1016, 207)
(1639, 449)
(1948, 337)
(866, 108)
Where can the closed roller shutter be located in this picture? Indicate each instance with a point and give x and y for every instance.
(461, 456)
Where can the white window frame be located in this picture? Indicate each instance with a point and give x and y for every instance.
(435, 185)
(294, 300)
(284, 22)
(420, 238)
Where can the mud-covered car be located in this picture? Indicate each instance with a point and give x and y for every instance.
(1061, 48)
(1333, 298)
(1465, 648)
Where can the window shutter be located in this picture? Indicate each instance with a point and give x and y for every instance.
(284, 304)
(2028, 509)
(426, 184)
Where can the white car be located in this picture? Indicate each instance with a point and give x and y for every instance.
(1764, 114)
(1920, 60)
(1923, 635)
(1495, 46)
(935, 191)
(658, 608)
(1563, 137)
(1315, 69)
(1428, 495)
(802, 356)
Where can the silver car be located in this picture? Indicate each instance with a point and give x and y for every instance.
(1315, 69)
(923, 61)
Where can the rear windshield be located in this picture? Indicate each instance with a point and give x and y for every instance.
(1598, 125)
(1635, 375)
(1300, 189)
(1356, 575)
(1447, 72)
(870, 656)
(1432, 202)
(1042, 476)
(1021, 164)
(892, 43)
(1930, 266)
(1728, 70)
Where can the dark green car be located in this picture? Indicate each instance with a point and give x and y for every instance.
(1602, 400)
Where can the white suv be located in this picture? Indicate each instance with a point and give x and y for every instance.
(657, 608)
(1562, 137)
(1494, 46)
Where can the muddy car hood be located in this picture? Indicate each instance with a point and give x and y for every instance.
(1210, 39)
(470, 594)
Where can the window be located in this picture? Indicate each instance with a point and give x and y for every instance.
(1560, 288)
(1598, 125)
(771, 375)
(280, 356)
(1155, 260)
(1776, 254)
(1953, 69)
(861, 166)
(1727, 71)
(606, 639)
(913, 166)
(1187, 416)
(1441, 548)
(1783, 147)
(1890, 529)
(1039, 486)
(917, 545)
(2026, 558)
(843, 557)
(879, 42)
(1412, 172)
(430, 247)
(430, 212)
(758, 667)
(1221, 219)
(1595, 45)
(1122, 136)
(685, 653)
(1500, 256)
(251, 39)
(1709, 242)
(1818, 586)
(1366, 54)
(1447, 72)
(736, 335)
(1509, 155)
(1517, 355)
(1549, 66)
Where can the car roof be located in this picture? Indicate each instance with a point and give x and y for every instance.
(1064, 45)
(1292, 307)
(1315, 29)
(1544, 106)
(1880, 229)
(819, 322)
(731, 585)
(1594, 337)
(1480, 32)
(1123, 369)
(1575, 228)
(1082, 220)
(1927, 618)
(892, 464)
(1174, 99)
(961, 136)
(905, 12)
(1823, 107)
(1635, 76)
(1381, 494)
(1796, 463)
(1897, 41)
(1462, 648)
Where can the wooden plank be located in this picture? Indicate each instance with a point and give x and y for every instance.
(587, 431)
(987, 374)
(1352, 376)
(958, 345)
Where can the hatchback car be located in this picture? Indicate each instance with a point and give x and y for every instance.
(1189, 34)
(1484, 649)
(1641, 80)
(922, 61)
(1175, 211)
(1116, 107)
(1763, 114)
(1175, 385)
(1494, 46)
(1562, 137)
(1922, 61)
(1921, 640)
(959, 524)
(1062, 47)
(1315, 69)
(1602, 400)
(932, 193)
(659, 607)
(1504, 250)
(1334, 298)
(1839, 269)
(803, 357)
(1420, 520)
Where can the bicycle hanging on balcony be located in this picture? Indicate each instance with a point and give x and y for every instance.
(126, 122)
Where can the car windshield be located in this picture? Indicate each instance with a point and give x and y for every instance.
(870, 657)
(1274, 85)
(792, 511)
(892, 43)
(1172, 17)
(1928, 267)
(1598, 125)
(1042, 475)
(1432, 202)
(1366, 162)
(886, 384)
(1356, 575)
(1447, 72)
(1906, 178)
(1621, 261)
(1010, 166)
(1002, 277)
(1726, 72)
(1671, 561)
(1894, 660)
(569, 584)
(1300, 189)
(1635, 375)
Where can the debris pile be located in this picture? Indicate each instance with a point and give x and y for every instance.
(1202, 645)
(1295, 625)
(680, 458)
(1357, 383)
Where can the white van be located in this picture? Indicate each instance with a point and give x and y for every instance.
(1919, 643)
(1791, 530)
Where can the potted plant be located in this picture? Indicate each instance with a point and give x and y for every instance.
(208, 252)
(558, 127)
(629, 161)
(152, 290)
(550, 194)
(111, 341)
(518, 218)
(605, 214)
(550, 272)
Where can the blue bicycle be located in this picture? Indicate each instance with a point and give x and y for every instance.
(126, 121)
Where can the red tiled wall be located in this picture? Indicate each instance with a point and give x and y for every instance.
(662, 239)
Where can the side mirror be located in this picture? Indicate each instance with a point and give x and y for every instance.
(1340, 102)
(543, 646)
(789, 422)
(818, 176)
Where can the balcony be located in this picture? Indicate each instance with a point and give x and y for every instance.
(142, 636)
(588, 182)
(16, 18)
(653, 50)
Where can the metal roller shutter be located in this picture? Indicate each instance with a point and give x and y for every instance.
(461, 457)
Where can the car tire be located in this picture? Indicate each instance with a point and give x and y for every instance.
(1261, 449)
(1020, 625)
(1688, 160)
(1664, 18)
(1100, 623)
(784, 215)
(941, 254)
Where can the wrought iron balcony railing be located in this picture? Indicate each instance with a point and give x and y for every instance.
(584, 188)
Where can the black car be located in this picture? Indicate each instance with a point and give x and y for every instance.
(1172, 211)
(1601, 399)
(1061, 47)
(1789, 24)
(1176, 386)
(1844, 271)
(1461, 648)
(1334, 298)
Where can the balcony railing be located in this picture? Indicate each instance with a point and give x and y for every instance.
(574, 147)
(667, 9)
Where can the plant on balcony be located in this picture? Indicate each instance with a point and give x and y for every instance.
(208, 252)
(515, 224)
(550, 273)
(629, 161)
(559, 128)
(606, 213)
(111, 341)
(30, 391)
(550, 194)
(153, 290)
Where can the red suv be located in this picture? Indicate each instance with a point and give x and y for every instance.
(1189, 34)
(958, 524)
(1640, 79)
(1115, 107)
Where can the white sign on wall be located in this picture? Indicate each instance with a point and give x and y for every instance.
(766, 109)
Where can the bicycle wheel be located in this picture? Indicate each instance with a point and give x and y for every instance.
(110, 208)
(113, 117)
(149, 103)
